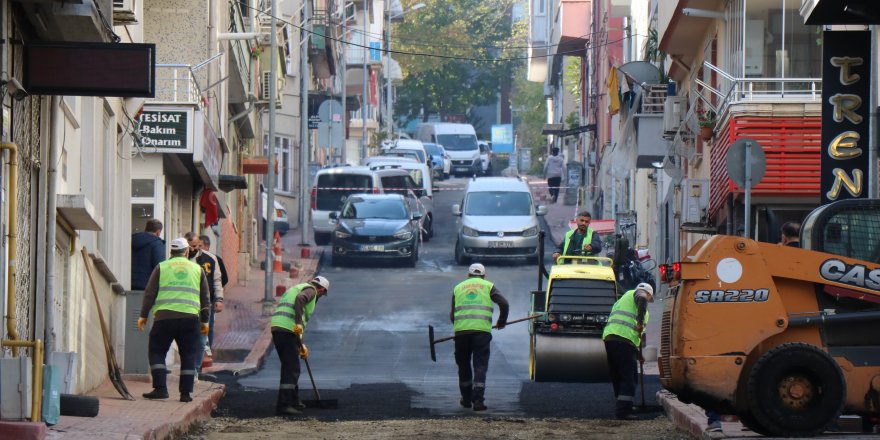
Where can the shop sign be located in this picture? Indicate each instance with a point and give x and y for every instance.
(846, 74)
(166, 129)
(208, 154)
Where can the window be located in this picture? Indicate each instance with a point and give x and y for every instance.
(769, 40)
(144, 202)
(282, 155)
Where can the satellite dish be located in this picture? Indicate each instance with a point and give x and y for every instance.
(640, 72)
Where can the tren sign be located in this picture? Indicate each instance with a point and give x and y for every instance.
(846, 73)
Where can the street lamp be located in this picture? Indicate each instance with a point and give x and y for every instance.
(388, 108)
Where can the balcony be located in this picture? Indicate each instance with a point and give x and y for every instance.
(78, 21)
(569, 32)
(241, 82)
(538, 51)
(682, 35)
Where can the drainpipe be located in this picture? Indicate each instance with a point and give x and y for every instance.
(51, 216)
(13, 231)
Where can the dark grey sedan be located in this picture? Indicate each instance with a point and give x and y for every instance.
(376, 226)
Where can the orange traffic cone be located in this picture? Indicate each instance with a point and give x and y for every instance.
(276, 249)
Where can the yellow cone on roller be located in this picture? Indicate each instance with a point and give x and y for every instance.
(566, 343)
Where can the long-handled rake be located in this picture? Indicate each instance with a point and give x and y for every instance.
(433, 341)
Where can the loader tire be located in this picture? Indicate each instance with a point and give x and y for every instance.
(79, 406)
(795, 390)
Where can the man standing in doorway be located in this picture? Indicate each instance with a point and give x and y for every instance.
(147, 251)
(471, 317)
(177, 295)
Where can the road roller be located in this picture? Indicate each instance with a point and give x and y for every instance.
(565, 344)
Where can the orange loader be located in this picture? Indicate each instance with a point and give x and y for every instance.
(786, 338)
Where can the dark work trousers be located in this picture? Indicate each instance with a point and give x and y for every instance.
(184, 331)
(623, 364)
(288, 346)
(472, 348)
(553, 183)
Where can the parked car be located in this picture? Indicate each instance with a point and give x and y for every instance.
(407, 145)
(485, 157)
(498, 220)
(281, 223)
(442, 164)
(423, 190)
(376, 226)
(334, 185)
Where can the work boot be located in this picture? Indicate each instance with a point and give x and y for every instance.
(185, 397)
(623, 410)
(465, 403)
(479, 405)
(287, 411)
(157, 393)
(466, 395)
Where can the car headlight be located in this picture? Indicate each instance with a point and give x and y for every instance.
(341, 234)
(470, 232)
(531, 232)
(403, 235)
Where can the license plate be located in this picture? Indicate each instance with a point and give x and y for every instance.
(462, 168)
(500, 244)
(373, 248)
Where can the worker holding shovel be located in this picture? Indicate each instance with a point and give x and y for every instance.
(471, 317)
(288, 323)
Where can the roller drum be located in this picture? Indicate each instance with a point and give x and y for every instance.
(568, 358)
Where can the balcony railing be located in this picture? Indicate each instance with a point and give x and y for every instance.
(179, 83)
(241, 49)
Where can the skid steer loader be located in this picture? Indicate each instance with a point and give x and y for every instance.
(786, 338)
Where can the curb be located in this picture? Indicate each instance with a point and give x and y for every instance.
(201, 412)
(22, 430)
(684, 416)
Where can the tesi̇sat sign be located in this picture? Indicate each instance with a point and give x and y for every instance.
(166, 129)
(846, 73)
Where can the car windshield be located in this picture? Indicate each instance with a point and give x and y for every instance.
(433, 149)
(457, 142)
(359, 208)
(498, 203)
(415, 154)
(332, 189)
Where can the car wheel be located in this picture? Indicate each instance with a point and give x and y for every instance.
(795, 389)
(429, 228)
(322, 238)
(414, 258)
(532, 260)
(459, 255)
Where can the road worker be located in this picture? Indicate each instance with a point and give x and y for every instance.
(623, 337)
(288, 324)
(471, 317)
(177, 295)
(581, 241)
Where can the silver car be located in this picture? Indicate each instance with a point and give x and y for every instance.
(498, 220)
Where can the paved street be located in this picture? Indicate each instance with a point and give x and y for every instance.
(369, 345)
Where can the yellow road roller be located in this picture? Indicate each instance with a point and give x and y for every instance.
(565, 344)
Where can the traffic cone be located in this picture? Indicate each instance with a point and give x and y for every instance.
(276, 249)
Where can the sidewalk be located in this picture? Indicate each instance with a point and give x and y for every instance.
(241, 342)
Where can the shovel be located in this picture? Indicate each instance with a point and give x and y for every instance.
(449, 338)
(317, 403)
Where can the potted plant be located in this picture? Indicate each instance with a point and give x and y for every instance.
(707, 121)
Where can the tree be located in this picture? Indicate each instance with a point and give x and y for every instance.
(464, 35)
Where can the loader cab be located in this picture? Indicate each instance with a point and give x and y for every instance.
(849, 228)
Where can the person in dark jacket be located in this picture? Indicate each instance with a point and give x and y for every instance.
(147, 251)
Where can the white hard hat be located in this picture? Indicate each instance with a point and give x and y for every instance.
(179, 244)
(477, 269)
(647, 289)
(321, 281)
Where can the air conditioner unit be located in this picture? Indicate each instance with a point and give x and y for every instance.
(673, 112)
(124, 12)
(265, 84)
(695, 201)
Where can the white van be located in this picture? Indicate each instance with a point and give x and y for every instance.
(460, 142)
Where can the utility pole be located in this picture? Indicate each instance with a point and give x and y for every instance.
(268, 300)
(366, 45)
(304, 148)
